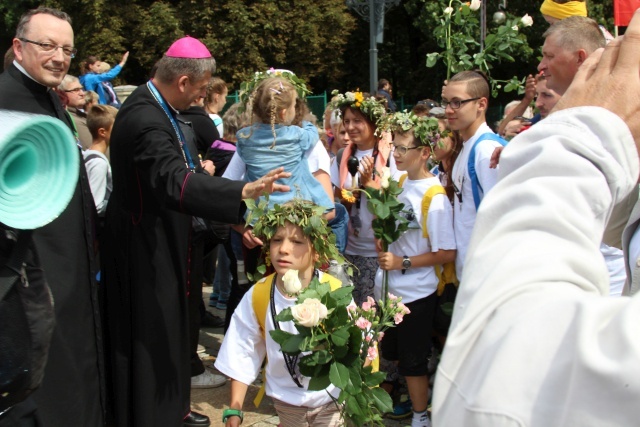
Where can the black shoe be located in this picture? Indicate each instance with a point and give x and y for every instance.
(212, 321)
(195, 419)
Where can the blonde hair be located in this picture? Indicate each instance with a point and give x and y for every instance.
(273, 94)
(100, 117)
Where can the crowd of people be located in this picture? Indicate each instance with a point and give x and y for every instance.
(537, 234)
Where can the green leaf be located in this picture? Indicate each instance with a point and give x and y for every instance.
(318, 383)
(374, 379)
(340, 336)
(432, 59)
(285, 315)
(280, 336)
(292, 344)
(382, 400)
(339, 375)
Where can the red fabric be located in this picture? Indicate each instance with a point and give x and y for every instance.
(623, 11)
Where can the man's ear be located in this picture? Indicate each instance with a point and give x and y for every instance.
(17, 49)
(182, 83)
(483, 104)
(102, 132)
(582, 55)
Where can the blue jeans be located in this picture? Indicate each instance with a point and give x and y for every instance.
(222, 280)
(340, 226)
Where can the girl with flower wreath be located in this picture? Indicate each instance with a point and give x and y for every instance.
(295, 255)
(368, 150)
(411, 261)
(273, 140)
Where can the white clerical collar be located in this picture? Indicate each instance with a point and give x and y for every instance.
(23, 71)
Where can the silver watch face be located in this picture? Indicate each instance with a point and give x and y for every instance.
(406, 263)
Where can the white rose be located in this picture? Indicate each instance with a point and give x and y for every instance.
(350, 96)
(514, 28)
(448, 10)
(309, 313)
(526, 20)
(384, 179)
(475, 4)
(291, 282)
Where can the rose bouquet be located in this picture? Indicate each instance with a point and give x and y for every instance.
(337, 342)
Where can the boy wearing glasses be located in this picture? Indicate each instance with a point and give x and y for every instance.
(466, 99)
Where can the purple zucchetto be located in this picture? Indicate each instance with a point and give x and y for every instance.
(188, 47)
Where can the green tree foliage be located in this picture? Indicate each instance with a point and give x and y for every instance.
(319, 40)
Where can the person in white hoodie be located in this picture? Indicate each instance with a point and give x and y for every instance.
(532, 340)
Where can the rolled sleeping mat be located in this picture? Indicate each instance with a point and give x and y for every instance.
(39, 166)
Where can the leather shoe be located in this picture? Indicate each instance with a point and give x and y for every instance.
(211, 321)
(195, 419)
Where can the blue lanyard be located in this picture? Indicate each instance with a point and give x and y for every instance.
(176, 126)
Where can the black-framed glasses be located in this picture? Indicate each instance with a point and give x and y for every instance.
(76, 90)
(51, 48)
(457, 103)
(402, 150)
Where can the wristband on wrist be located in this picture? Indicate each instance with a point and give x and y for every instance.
(232, 413)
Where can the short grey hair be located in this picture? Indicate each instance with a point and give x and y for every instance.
(23, 24)
(169, 69)
(577, 32)
(66, 81)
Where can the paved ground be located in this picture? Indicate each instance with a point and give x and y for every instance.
(212, 402)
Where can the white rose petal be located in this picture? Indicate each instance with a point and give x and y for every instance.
(475, 4)
(384, 179)
(526, 20)
(309, 313)
(291, 282)
(514, 28)
(350, 96)
(448, 10)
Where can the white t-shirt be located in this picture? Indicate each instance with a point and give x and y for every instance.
(244, 348)
(317, 157)
(464, 214)
(419, 282)
(100, 181)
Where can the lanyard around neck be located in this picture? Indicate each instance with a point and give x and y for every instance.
(176, 127)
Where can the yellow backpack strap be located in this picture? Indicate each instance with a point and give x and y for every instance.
(446, 273)
(402, 179)
(260, 302)
(426, 203)
(333, 282)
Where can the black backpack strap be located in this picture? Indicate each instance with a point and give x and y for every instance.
(91, 157)
(13, 268)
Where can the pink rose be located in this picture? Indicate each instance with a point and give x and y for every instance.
(397, 319)
(380, 336)
(392, 297)
(363, 323)
(372, 353)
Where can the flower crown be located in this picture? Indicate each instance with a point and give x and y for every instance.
(370, 107)
(425, 129)
(247, 88)
(303, 213)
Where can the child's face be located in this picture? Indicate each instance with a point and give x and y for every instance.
(411, 161)
(291, 250)
(341, 137)
(222, 100)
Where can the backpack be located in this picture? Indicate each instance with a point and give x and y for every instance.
(26, 318)
(476, 188)
(447, 279)
(260, 301)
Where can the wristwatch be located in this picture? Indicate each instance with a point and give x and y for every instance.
(406, 263)
(232, 413)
